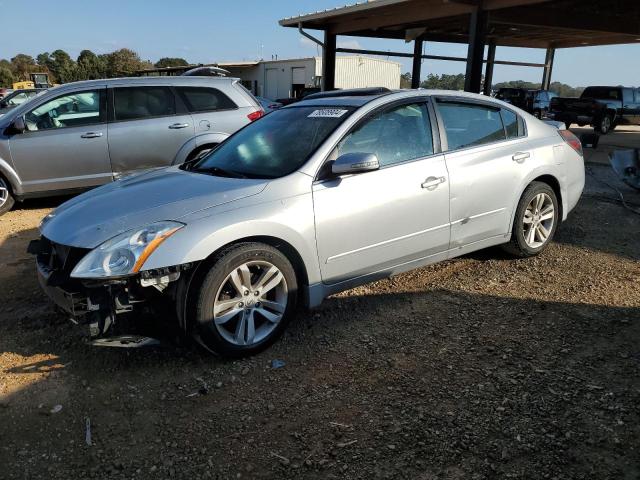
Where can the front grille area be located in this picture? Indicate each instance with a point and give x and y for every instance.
(59, 260)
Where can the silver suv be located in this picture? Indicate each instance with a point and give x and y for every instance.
(326, 194)
(85, 134)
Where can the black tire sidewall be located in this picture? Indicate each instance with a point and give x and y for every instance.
(203, 326)
(600, 128)
(517, 235)
(8, 205)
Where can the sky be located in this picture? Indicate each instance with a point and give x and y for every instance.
(208, 31)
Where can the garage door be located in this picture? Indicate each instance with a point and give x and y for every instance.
(271, 88)
(298, 75)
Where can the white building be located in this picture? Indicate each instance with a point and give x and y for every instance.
(275, 79)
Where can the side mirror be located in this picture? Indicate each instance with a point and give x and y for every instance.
(18, 125)
(356, 162)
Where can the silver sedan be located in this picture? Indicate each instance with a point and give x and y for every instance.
(335, 191)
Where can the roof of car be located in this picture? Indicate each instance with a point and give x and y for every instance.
(168, 80)
(360, 100)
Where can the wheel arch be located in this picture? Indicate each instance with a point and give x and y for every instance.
(196, 142)
(187, 285)
(10, 175)
(555, 186)
(544, 177)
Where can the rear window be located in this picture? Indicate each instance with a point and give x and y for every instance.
(470, 125)
(142, 102)
(605, 93)
(204, 99)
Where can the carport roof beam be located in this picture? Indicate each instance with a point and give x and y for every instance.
(515, 23)
(385, 53)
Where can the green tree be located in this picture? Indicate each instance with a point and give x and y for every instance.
(90, 66)
(171, 62)
(6, 77)
(444, 82)
(560, 88)
(405, 80)
(60, 64)
(123, 62)
(22, 65)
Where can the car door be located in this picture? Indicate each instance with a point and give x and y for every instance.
(628, 106)
(212, 110)
(370, 222)
(485, 152)
(148, 127)
(65, 143)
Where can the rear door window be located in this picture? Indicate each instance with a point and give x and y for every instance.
(205, 99)
(470, 124)
(131, 103)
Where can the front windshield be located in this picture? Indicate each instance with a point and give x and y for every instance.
(275, 145)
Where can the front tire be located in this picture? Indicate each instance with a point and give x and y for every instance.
(535, 222)
(245, 300)
(6, 198)
(605, 125)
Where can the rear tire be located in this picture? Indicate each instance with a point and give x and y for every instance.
(200, 152)
(535, 222)
(245, 300)
(605, 125)
(6, 198)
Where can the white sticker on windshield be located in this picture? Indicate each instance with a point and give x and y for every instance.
(328, 113)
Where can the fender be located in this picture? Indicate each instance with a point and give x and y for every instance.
(197, 141)
(7, 171)
(290, 220)
(555, 171)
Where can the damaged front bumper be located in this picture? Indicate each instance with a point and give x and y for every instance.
(102, 305)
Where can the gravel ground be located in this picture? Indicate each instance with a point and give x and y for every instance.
(478, 368)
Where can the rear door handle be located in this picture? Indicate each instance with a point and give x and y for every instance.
(91, 135)
(520, 156)
(432, 183)
(176, 126)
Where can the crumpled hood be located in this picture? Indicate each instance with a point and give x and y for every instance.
(166, 194)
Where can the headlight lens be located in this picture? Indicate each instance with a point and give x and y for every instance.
(126, 253)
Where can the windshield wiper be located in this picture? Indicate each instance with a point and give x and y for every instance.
(220, 172)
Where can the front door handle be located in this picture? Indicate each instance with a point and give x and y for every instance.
(432, 183)
(520, 156)
(91, 135)
(176, 126)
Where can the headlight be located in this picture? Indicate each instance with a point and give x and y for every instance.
(124, 254)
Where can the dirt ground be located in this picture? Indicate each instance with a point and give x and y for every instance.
(481, 367)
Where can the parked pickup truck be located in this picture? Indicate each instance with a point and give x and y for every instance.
(602, 107)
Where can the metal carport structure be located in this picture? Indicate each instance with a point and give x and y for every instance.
(546, 24)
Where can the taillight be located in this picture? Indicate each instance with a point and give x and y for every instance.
(571, 140)
(253, 116)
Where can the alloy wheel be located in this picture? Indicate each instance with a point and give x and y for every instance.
(606, 124)
(538, 220)
(4, 192)
(250, 303)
